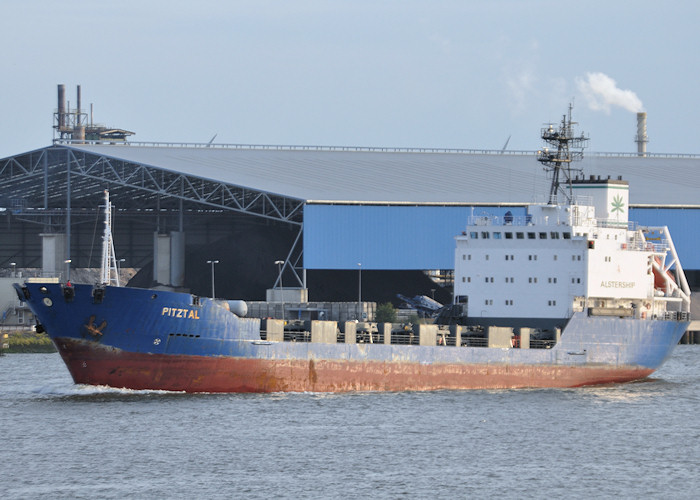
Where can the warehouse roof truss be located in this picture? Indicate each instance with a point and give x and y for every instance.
(85, 174)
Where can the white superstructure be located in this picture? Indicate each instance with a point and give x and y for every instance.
(562, 258)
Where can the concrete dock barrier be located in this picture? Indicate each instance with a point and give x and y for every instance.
(324, 332)
(427, 334)
(500, 336)
(274, 329)
(350, 331)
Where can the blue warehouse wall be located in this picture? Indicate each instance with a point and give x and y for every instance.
(684, 225)
(385, 237)
(420, 237)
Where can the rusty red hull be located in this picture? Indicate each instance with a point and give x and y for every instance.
(117, 368)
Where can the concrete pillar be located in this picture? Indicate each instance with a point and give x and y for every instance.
(350, 329)
(324, 332)
(384, 330)
(53, 253)
(525, 338)
(161, 258)
(177, 258)
(456, 331)
(275, 329)
(500, 336)
(427, 334)
(169, 258)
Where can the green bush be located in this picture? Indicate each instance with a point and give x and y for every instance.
(385, 313)
(29, 342)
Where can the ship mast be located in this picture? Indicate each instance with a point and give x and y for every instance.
(110, 273)
(564, 148)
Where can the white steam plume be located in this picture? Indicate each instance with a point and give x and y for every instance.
(601, 92)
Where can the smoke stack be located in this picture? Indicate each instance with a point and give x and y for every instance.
(61, 106)
(79, 131)
(642, 137)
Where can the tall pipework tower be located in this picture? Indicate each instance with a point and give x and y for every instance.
(60, 116)
(79, 129)
(69, 124)
(73, 126)
(641, 138)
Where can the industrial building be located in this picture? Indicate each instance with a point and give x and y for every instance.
(333, 208)
(343, 221)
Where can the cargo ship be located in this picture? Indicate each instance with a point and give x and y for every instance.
(570, 294)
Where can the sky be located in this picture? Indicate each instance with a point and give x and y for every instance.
(420, 74)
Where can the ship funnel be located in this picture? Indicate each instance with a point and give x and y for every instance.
(641, 139)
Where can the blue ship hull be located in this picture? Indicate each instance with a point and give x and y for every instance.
(146, 339)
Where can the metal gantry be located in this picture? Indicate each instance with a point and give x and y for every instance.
(54, 185)
(40, 180)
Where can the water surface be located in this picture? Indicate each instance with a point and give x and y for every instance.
(628, 441)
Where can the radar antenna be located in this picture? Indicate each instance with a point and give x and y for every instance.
(563, 149)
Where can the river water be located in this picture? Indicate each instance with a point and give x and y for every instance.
(59, 440)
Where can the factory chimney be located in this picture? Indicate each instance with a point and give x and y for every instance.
(641, 139)
(73, 124)
(61, 106)
(79, 131)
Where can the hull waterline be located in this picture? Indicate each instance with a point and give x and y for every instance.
(91, 364)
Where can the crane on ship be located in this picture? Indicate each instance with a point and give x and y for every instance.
(109, 270)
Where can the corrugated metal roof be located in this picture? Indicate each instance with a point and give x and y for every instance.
(421, 177)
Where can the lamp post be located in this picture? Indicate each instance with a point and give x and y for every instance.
(212, 262)
(14, 266)
(280, 263)
(119, 271)
(67, 263)
(359, 288)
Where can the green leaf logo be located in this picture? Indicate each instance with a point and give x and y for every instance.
(617, 204)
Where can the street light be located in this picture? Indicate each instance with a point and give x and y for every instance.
(212, 262)
(14, 265)
(359, 287)
(119, 270)
(280, 263)
(67, 263)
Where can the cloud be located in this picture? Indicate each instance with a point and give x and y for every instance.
(522, 86)
(602, 93)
